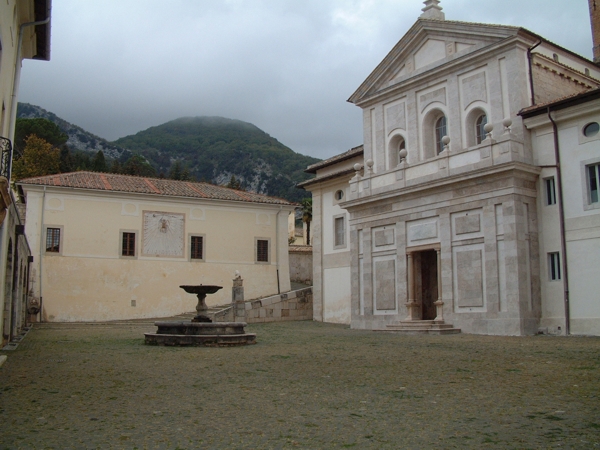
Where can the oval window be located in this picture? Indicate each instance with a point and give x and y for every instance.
(591, 129)
(339, 195)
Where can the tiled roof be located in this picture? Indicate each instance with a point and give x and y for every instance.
(356, 151)
(565, 101)
(322, 178)
(153, 186)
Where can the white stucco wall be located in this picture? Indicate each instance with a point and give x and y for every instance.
(90, 281)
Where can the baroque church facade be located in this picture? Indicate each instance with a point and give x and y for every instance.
(433, 224)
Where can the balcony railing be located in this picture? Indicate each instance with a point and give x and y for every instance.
(6, 151)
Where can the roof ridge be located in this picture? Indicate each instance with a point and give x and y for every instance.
(190, 184)
(105, 181)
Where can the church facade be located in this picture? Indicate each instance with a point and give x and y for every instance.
(443, 209)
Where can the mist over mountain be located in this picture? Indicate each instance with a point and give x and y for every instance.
(215, 148)
(211, 149)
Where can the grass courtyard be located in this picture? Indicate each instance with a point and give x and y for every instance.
(304, 385)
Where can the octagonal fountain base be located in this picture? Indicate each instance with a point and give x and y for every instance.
(218, 334)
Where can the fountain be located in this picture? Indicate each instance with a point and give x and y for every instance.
(201, 331)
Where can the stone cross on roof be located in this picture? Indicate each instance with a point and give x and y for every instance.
(432, 10)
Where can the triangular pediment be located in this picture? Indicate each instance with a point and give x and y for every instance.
(428, 44)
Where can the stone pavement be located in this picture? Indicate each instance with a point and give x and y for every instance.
(304, 385)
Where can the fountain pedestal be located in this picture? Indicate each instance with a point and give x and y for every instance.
(200, 331)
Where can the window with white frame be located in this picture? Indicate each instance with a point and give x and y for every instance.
(554, 266)
(550, 188)
(339, 232)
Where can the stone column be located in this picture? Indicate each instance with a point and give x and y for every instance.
(411, 305)
(439, 305)
(237, 299)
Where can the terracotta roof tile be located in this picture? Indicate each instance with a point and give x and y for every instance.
(356, 151)
(154, 186)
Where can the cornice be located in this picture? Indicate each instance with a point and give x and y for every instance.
(393, 194)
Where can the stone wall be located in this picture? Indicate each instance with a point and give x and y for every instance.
(301, 263)
(294, 305)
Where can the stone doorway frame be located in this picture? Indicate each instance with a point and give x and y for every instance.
(412, 305)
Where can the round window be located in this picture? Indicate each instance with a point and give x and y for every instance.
(591, 129)
(339, 195)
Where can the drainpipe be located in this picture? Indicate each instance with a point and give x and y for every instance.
(42, 250)
(529, 50)
(15, 90)
(563, 238)
(277, 247)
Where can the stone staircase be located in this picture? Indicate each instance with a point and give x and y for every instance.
(422, 327)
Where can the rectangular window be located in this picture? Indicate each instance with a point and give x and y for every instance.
(593, 180)
(550, 191)
(53, 240)
(128, 244)
(197, 247)
(262, 250)
(554, 266)
(340, 232)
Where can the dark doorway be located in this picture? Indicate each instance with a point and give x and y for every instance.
(429, 284)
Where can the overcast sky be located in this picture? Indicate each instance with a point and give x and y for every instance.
(287, 66)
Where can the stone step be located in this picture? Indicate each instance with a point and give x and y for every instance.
(424, 330)
(422, 327)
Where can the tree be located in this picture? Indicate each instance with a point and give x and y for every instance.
(39, 158)
(186, 175)
(137, 165)
(175, 172)
(234, 183)
(99, 162)
(42, 128)
(307, 216)
(66, 160)
(116, 167)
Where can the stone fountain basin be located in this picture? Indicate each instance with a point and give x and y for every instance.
(218, 334)
(201, 288)
(199, 328)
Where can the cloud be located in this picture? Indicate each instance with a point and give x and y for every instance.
(119, 67)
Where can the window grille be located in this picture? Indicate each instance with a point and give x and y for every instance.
(197, 250)
(53, 240)
(128, 245)
(262, 250)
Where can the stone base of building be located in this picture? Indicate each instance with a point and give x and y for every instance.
(422, 327)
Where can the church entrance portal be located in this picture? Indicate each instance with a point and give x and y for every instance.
(424, 294)
(428, 284)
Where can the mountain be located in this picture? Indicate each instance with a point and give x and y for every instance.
(211, 149)
(215, 148)
(79, 139)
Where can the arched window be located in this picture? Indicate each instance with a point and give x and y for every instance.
(441, 130)
(396, 145)
(480, 133)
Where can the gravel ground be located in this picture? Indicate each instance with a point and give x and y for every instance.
(304, 385)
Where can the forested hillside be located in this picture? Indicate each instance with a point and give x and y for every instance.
(215, 148)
